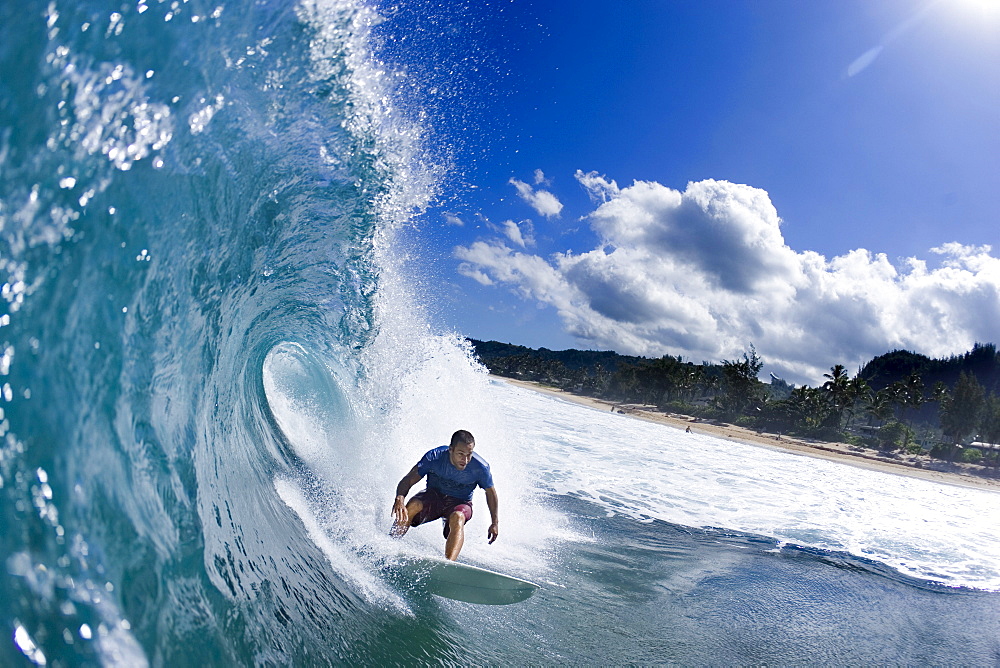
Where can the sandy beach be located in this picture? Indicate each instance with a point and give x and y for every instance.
(917, 466)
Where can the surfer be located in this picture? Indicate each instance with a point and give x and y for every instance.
(452, 471)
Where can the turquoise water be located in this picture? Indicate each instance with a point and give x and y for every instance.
(216, 367)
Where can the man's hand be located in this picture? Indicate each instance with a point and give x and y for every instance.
(402, 517)
(399, 510)
(494, 505)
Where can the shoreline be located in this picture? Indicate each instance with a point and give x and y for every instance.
(914, 466)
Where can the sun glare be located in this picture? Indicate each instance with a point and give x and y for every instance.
(985, 11)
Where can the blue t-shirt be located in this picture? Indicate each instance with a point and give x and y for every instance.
(445, 478)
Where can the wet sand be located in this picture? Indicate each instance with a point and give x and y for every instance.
(917, 466)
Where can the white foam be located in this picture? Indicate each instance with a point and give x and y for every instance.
(361, 575)
(640, 469)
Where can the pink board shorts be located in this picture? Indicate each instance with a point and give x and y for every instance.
(439, 506)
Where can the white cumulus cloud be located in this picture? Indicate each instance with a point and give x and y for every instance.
(521, 235)
(542, 201)
(599, 188)
(704, 272)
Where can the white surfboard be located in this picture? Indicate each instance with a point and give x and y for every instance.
(463, 582)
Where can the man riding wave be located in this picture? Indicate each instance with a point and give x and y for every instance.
(453, 472)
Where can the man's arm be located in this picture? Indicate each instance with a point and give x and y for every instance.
(494, 506)
(399, 505)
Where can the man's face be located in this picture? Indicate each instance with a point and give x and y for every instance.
(460, 455)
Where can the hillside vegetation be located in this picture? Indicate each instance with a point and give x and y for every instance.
(898, 401)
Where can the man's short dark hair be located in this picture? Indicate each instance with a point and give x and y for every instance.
(462, 437)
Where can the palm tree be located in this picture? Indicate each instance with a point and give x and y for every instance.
(880, 406)
(908, 394)
(837, 384)
(811, 405)
(858, 391)
(838, 389)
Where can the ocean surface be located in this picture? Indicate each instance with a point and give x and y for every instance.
(217, 361)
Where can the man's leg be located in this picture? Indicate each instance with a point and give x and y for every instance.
(413, 508)
(456, 535)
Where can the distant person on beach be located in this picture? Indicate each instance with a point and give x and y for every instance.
(453, 471)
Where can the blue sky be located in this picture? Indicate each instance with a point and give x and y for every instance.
(820, 179)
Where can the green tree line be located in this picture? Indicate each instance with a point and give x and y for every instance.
(897, 401)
